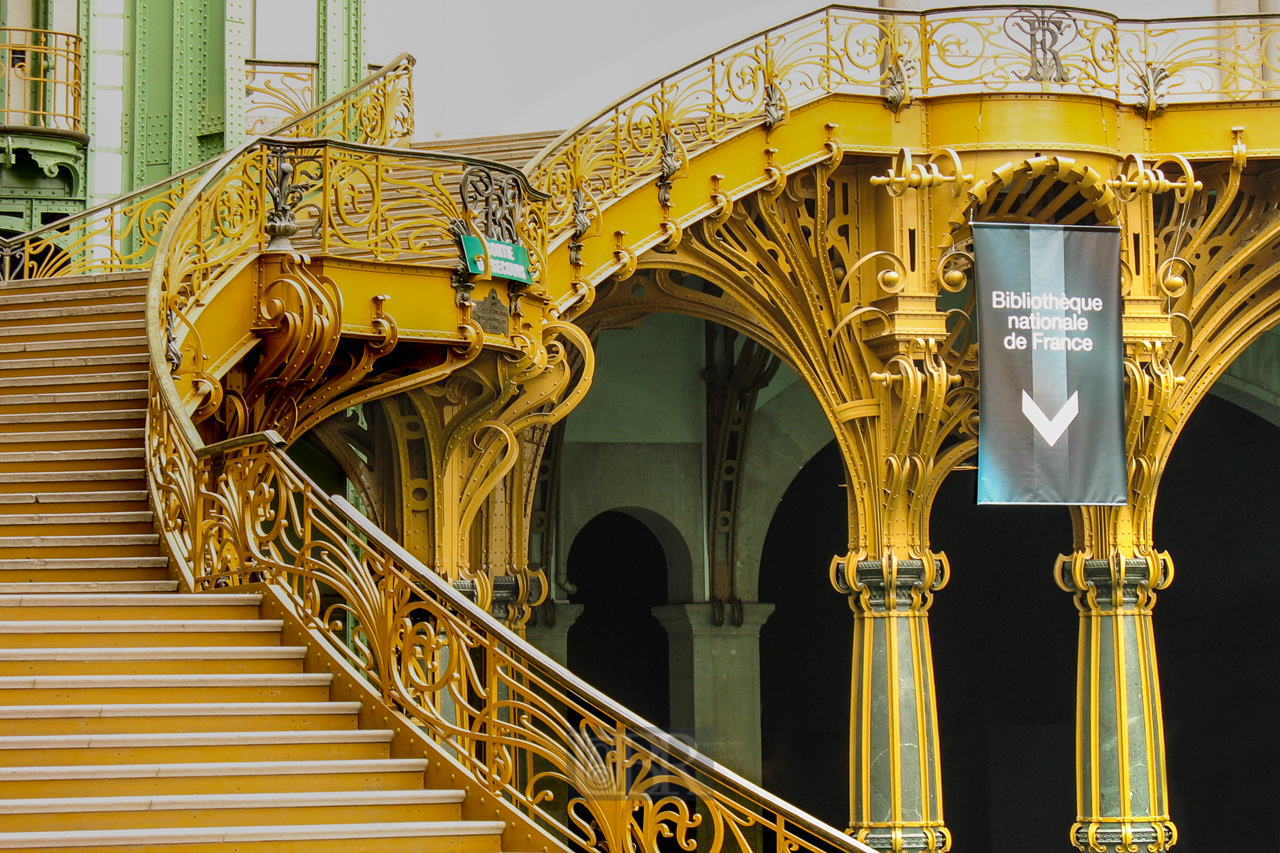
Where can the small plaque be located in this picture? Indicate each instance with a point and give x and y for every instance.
(492, 314)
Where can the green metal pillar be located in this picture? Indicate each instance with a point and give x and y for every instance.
(341, 46)
(188, 83)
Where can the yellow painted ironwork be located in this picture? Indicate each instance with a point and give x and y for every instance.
(277, 92)
(41, 80)
(830, 246)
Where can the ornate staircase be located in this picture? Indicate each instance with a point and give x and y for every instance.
(135, 717)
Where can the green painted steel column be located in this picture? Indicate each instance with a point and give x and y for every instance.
(341, 46)
(1121, 790)
(895, 797)
(188, 83)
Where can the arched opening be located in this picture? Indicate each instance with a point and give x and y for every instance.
(1216, 631)
(805, 645)
(619, 569)
(1004, 662)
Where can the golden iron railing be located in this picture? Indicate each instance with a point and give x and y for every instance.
(898, 56)
(276, 93)
(41, 79)
(591, 774)
(122, 234)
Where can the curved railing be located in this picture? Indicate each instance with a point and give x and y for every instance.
(42, 80)
(591, 774)
(898, 56)
(122, 234)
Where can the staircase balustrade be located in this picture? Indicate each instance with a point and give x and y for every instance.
(122, 234)
(899, 56)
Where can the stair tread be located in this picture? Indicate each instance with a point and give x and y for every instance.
(72, 435)
(167, 599)
(56, 361)
(66, 455)
(234, 679)
(75, 517)
(158, 653)
(149, 626)
(139, 291)
(85, 562)
(177, 709)
(213, 768)
(74, 497)
(80, 541)
(302, 832)
(109, 587)
(65, 417)
(72, 379)
(74, 343)
(172, 739)
(70, 476)
(53, 805)
(71, 328)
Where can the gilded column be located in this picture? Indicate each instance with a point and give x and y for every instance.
(1121, 790)
(843, 281)
(895, 800)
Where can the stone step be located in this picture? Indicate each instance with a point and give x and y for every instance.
(18, 501)
(131, 435)
(86, 587)
(71, 344)
(212, 778)
(43, 402)
(113, 518)
(72, 331)
(133, 295)
(61, 313)
(96, 569)
(133, 377)
(87, 416)
(126, 718)
(425, 837)
(91, 813)
(184, 660)
(72, 477)
(133, 632)
(140, 606)
(114, 689)
(149, 748)
(89, 364)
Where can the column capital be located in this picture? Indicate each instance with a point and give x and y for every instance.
(696, 619)
(551, 635)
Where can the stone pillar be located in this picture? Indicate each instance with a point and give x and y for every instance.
(550, 634)
(895, 797)
(1122, 801)
(715, 681)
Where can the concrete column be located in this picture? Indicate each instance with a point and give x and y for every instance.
(553, 640)
(715, 681)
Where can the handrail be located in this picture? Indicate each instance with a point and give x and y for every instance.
(590, 773)
(897, 56)
(121, 235)
(42, 80)
(341, 193)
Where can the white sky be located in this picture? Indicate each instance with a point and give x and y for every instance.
(488, 67)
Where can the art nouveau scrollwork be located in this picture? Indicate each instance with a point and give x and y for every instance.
(797, 259)
(463, 460)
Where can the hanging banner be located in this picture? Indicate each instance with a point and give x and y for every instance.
(1051, 362)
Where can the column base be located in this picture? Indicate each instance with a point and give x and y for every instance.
(934, 839)
(1121, 837)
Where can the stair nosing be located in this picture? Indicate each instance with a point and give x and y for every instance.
(177, 709)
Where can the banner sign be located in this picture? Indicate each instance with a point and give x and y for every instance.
(1051, 362)
(508, 260)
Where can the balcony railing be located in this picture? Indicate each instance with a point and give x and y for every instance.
(277, 92)
(42, 79)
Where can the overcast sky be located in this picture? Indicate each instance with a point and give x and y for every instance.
(490, 67)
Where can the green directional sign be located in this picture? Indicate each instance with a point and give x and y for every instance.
(506, 259)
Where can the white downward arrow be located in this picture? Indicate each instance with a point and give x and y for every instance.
(1051, 430)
